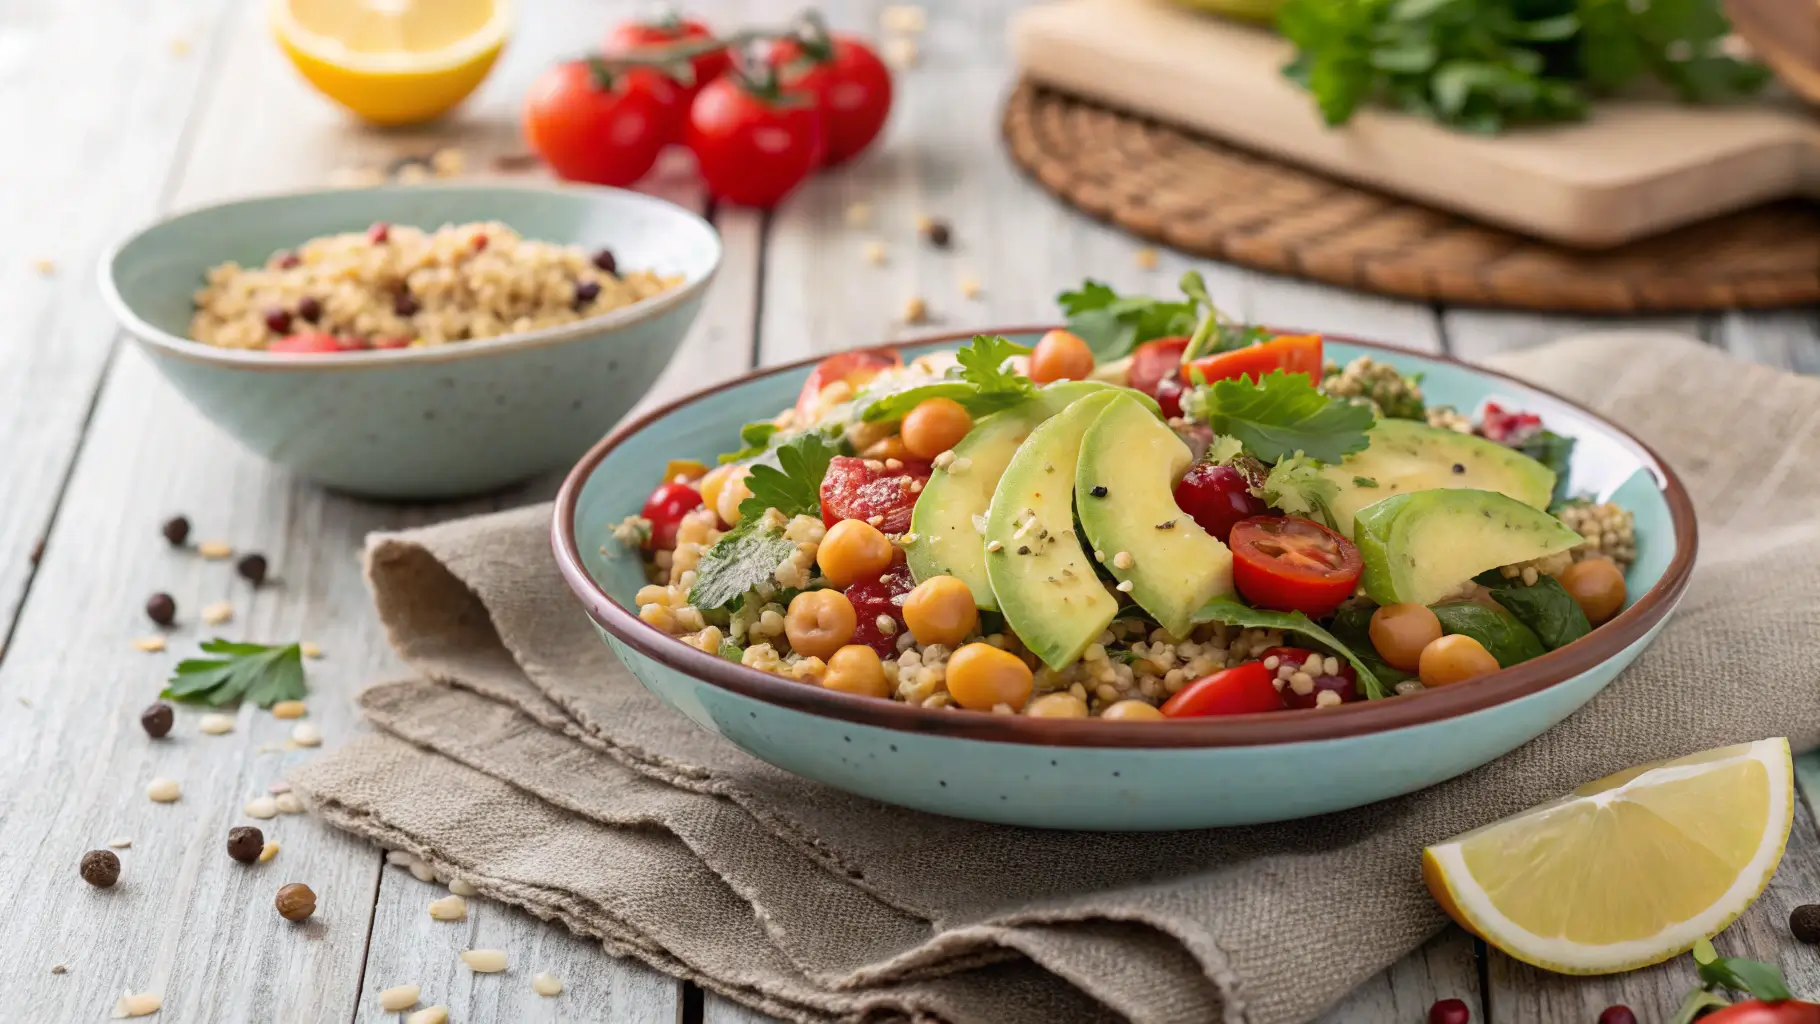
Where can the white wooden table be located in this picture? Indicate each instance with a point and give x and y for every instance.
(119, 111)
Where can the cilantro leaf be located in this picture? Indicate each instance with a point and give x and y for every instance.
(757, 439)
(1282, 415)
(1232, 613)
(1296, 486)
(978, 380)
(793, 487)
(745, 557)
(257, 672)
(1113, 325)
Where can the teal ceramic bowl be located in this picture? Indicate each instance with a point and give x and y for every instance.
(418, 423)
(1088, 774)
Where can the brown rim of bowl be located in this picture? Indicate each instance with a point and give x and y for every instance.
(1348, 720)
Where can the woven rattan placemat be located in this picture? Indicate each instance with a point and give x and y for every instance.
(1204, 197)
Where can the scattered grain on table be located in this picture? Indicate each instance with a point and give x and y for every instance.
(310, 650)
(215, 724)
(874, 253)
(449, 908)
(900, 52)
(45, 268)
(268, 851)
(157, 719)
(971, 287)
(546, 984)
(121, 842)
(916, 310)
(176, 530)
(136, 1004)
(398, 997)
(421, 871)
(290, 709)
(1146, 259)
(859, 215)
(100, 868)
(252, 568)
(161, 608)
(149, 644)
(245, 843)
(163, 791)
(215, 550)
(438, 1014)
(261, 807)
(907, 19)
(484, 961)
(462, 887)
(448, 162)
(306, 735)
(295, 901)
(288, 803)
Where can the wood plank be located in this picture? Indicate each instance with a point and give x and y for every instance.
(1445, 968)
(123, 93)
(1789, 339)
(1478, 334)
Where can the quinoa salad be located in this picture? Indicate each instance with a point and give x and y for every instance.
(1153, 514)
(394, 286)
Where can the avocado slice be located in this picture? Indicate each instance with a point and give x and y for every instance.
(1420, 547)
(1124, 491)
(1042, 578)
(1406, 456)
(947, 541)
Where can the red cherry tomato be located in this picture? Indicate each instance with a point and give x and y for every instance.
(1291, 353)
(754, 149)
(853, 490)
(1345, 682)
(665, 508)
(1293, 565)
(1241, 690)
(307, 343)
(1154, 362)
(852, 88)
(646, 37)
(1216, 497)
(856, 368)
(595, 125)
(1507, 426)
(883, 595)
(1755, 1011)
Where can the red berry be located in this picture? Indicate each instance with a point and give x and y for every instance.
(480, 243)
(853, 489)
(883, 595)
(1216, 497)
(378, 233)
(665, 508)
(278, 321)
(1617, 1015)
(287, 260)
(1449, 1011)
(1169, 396)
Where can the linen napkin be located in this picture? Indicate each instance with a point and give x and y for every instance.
(525, 759)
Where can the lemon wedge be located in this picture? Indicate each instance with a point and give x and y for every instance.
(1626, 871)
(393, 61)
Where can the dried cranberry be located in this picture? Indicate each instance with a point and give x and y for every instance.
(277, 321)
(480, 243)
(309, 309)
(379, 233)
(854, 489)
(1449, 1011)
(1346, 683)
(605, 261)
(586, 292)
(1508, 427)
(665, 508)
(881, 596)
(287, 260)
(1618, 1015)
(1216, 497)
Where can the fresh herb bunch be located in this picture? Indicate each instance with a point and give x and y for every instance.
(260, 673)
(1112, 324)
(979, 381)
(1482, 65)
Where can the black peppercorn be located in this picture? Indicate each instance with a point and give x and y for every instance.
(309, 309)
(605, 261)
(295, 902)
(1804, 922)
(161, 608)
(586, 292)
(100, 868)
(252, 568)
(244, 843)
(177, 530)
(404, 305)
(157, 720)
(940, 234)
(1099, 491)
(1459, 467)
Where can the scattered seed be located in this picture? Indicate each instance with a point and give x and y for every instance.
(149, 644)
(177, 530)
(939, 234)
(288, 803)
(136, 1005)
(252, 568)
(306, 735)
(900, 52)
(180, 47)
(161, 608)
(448, 162)
(859, 215)
(45, 268)
(290, 709)
(462, 887)
(970, 287)
(59, 969)
(1123, 560)
(398, 997)
(295, 902)
(546, 984)
(400, 858)
(215, 550)
(437, 1014)
(421, 871)
(100, 868)
(1146, 259)
(1124, 587)
(157, 719)
(215, 724)
(875, 253)
(916, 311)
(261, 807)
(449, 908)
(245, 843)
(1804, 923)
(995, 546)
(484, 961)
(903, 18)
(268, 851)
(121, 842)
(163, 791)
(310, 650)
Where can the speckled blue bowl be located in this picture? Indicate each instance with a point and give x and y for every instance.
(1089, 774)
(418, 423)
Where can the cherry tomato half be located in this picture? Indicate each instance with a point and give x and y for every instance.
(1293, 565)
(1755, 1011)
(856, 368)
(595, 125)
(1241, 690)
(754, 148)
(665, 508)
(1216, 498)
(1291, 353)
(852, 89)
(854, 490)
(883, 595)
(645, 37)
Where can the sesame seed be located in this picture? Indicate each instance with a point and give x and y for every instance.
(960, 466)
(916, 311)
(1146, 259)
(1272, 662)
(893, 465)
(874, 253)
(1125, 587)
(1123, 560)
(1326, 699)
(1098, 555)
(970, 287)
(994, 546)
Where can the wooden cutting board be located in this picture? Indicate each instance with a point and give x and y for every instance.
(1633, 169)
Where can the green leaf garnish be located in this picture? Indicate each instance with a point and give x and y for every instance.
(979, 381)
(1363, 481)
(1545, 607)
(1760, 980)
(1296, 486)
(1112, 325)
(793, 487)
(1232, 613)
(745, 557)
(757, 439)
(1283, 415)
(262, 674)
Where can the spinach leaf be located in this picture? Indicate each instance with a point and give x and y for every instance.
(1546, 608)
(1508, 640)
(1557, 453)
(743, 558)
(1232, 613)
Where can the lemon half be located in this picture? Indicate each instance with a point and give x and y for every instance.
(393, 61)
(1626, 871)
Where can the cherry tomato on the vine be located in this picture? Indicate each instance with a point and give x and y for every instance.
(852, 88)
(665, 509)
(1241, 690)
(592, 123)
(754, 142)
(1288, 564)
(646, 38)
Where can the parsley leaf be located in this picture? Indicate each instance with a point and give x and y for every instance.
(1112, 325)
(262, 674)
(794, 486)
(1282, 415)
(757, 439)
(979, 381)
(1232, 613)
(1296, 486)
(745, 557)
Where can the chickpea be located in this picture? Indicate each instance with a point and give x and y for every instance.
(713, 485)
(941, 611)
(890, 448)
(819, 622)
(855, 668)
(934, 426)
(1057, 705)
(1132, 711)
(853, 550)
(1597, 586)
(1401, 631)
(981, 676)
(1060, 356)
(1455, 658)
(731, 496)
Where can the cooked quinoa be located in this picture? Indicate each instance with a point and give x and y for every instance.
(397, 286)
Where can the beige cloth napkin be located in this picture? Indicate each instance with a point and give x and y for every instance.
(526, 759)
